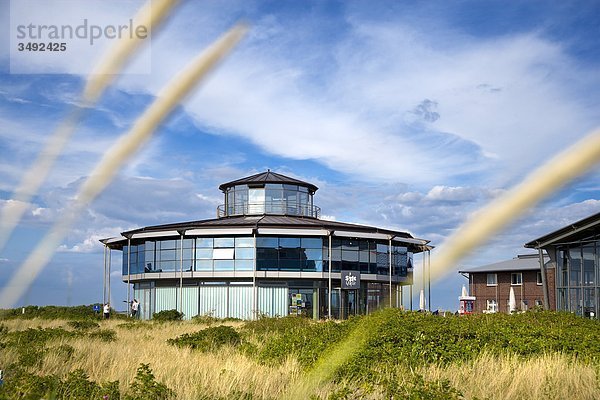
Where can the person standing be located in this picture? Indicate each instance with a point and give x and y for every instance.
(106, 311)
(135, 305)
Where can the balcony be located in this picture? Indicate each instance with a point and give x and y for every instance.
(270, 208)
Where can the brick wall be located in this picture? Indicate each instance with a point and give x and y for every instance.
(528, 292)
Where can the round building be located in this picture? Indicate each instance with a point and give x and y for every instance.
(267, 253)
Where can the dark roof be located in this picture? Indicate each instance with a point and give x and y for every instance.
(268, 177)
(269, 221)
(524, 262)
(579, 230)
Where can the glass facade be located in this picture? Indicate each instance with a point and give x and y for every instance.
(577, 273)
(271, 253)
(270, 198)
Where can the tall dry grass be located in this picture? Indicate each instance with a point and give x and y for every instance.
(225, 373)
(191, 374)
(508, 377)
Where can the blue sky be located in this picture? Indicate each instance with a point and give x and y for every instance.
(406, 115)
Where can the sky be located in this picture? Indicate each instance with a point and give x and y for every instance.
(406, 115)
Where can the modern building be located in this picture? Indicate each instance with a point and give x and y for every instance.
(490, 285)
(574, 253)
(267, 253)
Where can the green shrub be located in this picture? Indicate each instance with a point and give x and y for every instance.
(267, 325)
(208, 339)
(105, 335)
(83, 325)
(55, 312)
(145, 386)
(167, 315)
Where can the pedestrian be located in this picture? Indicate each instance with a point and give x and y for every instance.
(134, 307)
(106, 311)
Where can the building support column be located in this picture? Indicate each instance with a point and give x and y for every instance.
(128, 275)
(104, 275)
(109, 271)
(410, 292)
(254, 288)
(329, 279)
(544, 279)
(390, 265)
(429, 280)
(180, 302)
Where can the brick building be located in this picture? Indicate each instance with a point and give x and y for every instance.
(491, 284)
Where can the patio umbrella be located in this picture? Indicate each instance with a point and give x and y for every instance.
(512, 302)
(422, 300)
(464, 292)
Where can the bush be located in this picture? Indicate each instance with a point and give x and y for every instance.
(145, 386)
(105, 335)
(167, 315)
(83, 325)
(208, 339)
(55, 312)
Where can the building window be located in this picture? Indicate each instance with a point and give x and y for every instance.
(539, 278)
(492, 305)
(516, 278)
(538, 303)
(492, 279)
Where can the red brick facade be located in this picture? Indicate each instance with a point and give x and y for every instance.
(526, 294)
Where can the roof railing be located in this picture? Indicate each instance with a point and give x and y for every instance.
(270, 208)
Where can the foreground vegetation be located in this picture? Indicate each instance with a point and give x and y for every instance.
(407, 355)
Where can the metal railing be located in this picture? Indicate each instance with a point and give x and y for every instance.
(271, 208)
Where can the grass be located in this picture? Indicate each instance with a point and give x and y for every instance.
(256, 368)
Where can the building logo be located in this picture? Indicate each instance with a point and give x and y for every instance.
(350, 280)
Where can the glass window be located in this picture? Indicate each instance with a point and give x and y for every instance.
(289, 254)
(266, 241)
(204, 254)
(244, 265)
(266, 265)
(312, 243)
(223, 265)
(266, 253)
(293, 265)
(224, 242)
(222, 254)
(491, 306)
(313, 254)
(204, 242)
(588, 265)
(289, 242)
(349, 244)
(203, 265)
(539, 277)
(492, 279)
(313, 265)
(575, 266)
(516, 278)
(244, 242)
(539, 303)
(244, 253)
(188, 243)
(168, 266)
(349, 255)
(166, 255)
(168, 244)
(149, 245)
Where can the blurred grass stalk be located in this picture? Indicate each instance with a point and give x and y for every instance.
(125, 147)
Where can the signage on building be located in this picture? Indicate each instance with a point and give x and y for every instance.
(350, 280)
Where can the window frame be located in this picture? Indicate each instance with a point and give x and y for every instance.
(495, 279)
(538, 278)
(512, 281)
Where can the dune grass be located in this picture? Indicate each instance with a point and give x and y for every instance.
(240, 373)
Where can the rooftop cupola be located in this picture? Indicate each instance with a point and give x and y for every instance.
(268, 193)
